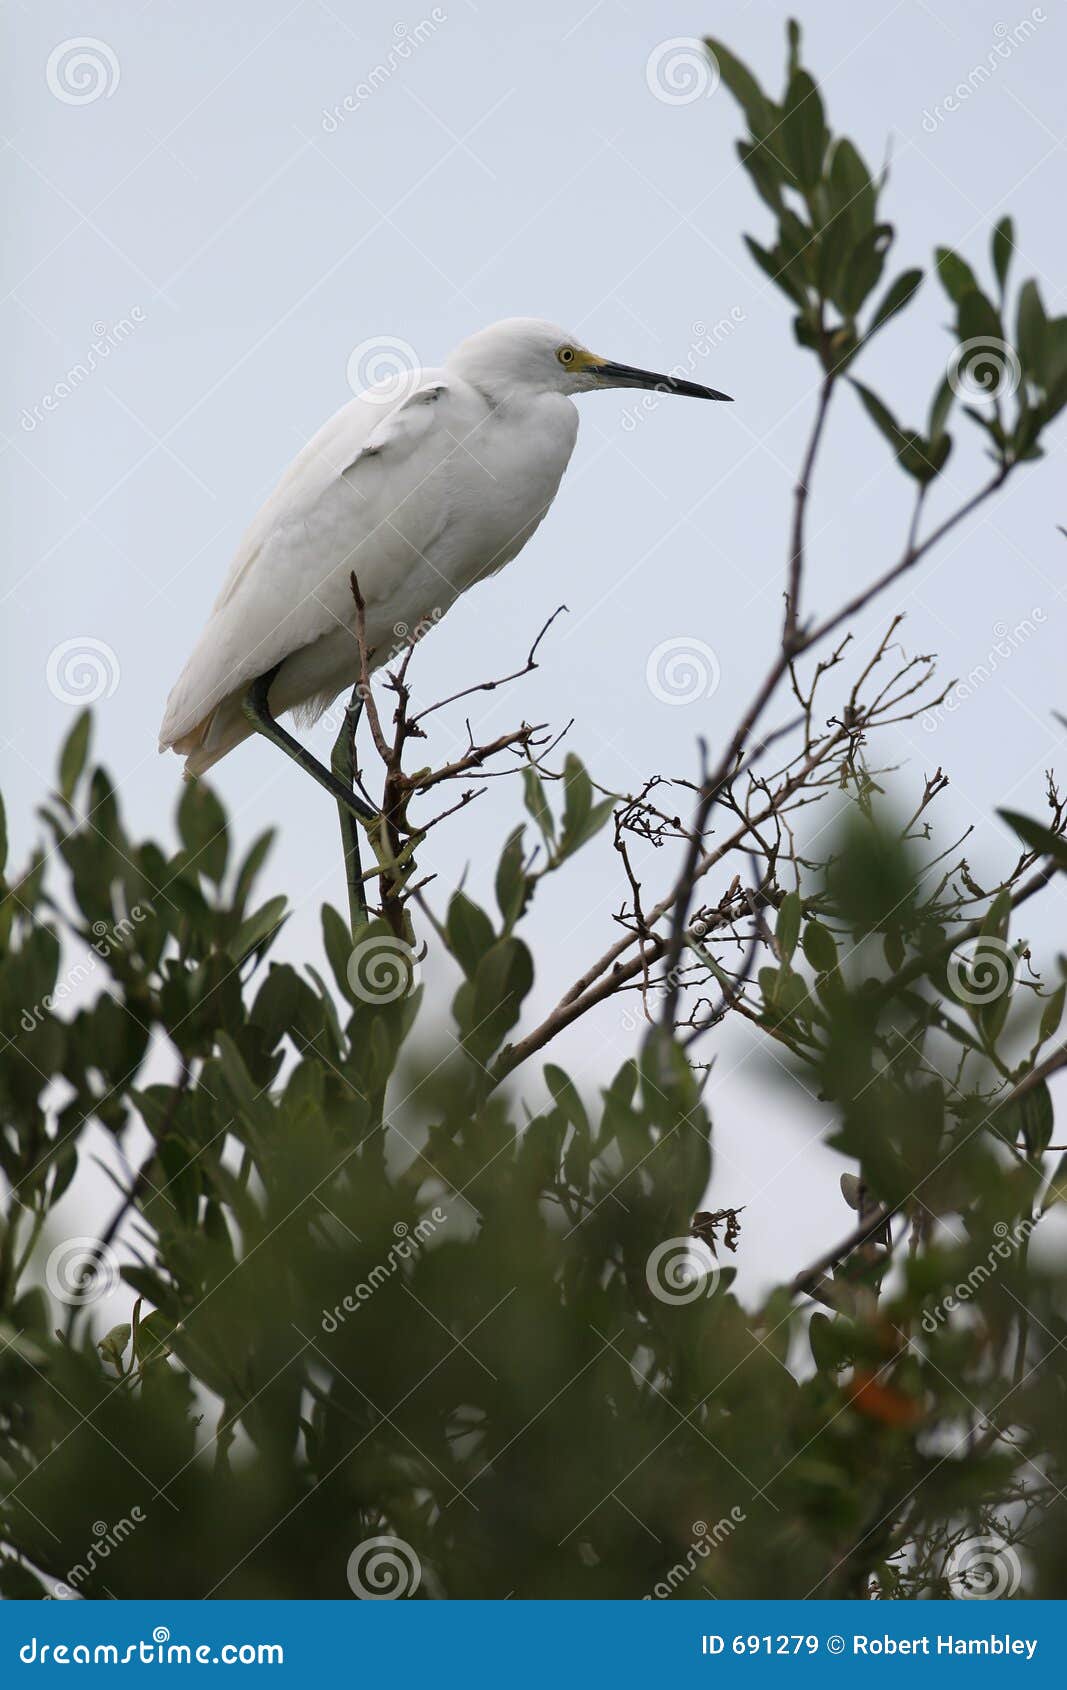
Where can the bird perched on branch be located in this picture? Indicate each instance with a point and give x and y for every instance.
(421, 486)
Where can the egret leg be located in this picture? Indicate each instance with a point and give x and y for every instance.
(258, 713)
(343, 766)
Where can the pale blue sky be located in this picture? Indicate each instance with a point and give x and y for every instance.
(231, 246)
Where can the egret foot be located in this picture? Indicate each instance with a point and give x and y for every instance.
(257, 711)
(343, 768)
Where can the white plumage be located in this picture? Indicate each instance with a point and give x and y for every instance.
(421, 487)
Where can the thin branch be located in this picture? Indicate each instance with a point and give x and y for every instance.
(862, 1234)
(802, 493)
(491, 686)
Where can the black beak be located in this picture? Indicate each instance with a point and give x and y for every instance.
(625, 375)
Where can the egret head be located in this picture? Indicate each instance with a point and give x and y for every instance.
(526, 355)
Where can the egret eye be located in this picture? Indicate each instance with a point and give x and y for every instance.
(566, 354)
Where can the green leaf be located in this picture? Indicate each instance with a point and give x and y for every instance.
(565, 1096)
(488, 1006)
(863, 269)
(939, 410)
(1054, 368)
(581, 817)
(893, 948)
(1003, 247)
(1031, 331)
(182, 1183)
(779, 271)
(537, 804)
(265, 924)
(337, 943)
(514, 886)
(978, 319)
(956, 276)
(997, 919)
(202, 828)
(1052, 1014)
(825, 1351)
(804, 129)
(917, 457)
(74, 755)
(792, 35)
(742, 85)
(245, 1094)
(1035, 837)
(896, 297)
(150, 1343)
(763, 168)
(881, 416)
(65, 1163)
(820, 947)
(250, 867)
(1037, 1118)
(469, 932)
(851, 188)
(787, 928)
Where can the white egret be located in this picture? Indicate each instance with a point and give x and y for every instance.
(421, 486)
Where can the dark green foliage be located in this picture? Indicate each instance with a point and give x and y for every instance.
(829, 255)
(369, 1303)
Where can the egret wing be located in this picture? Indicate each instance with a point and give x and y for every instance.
(350, 500)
